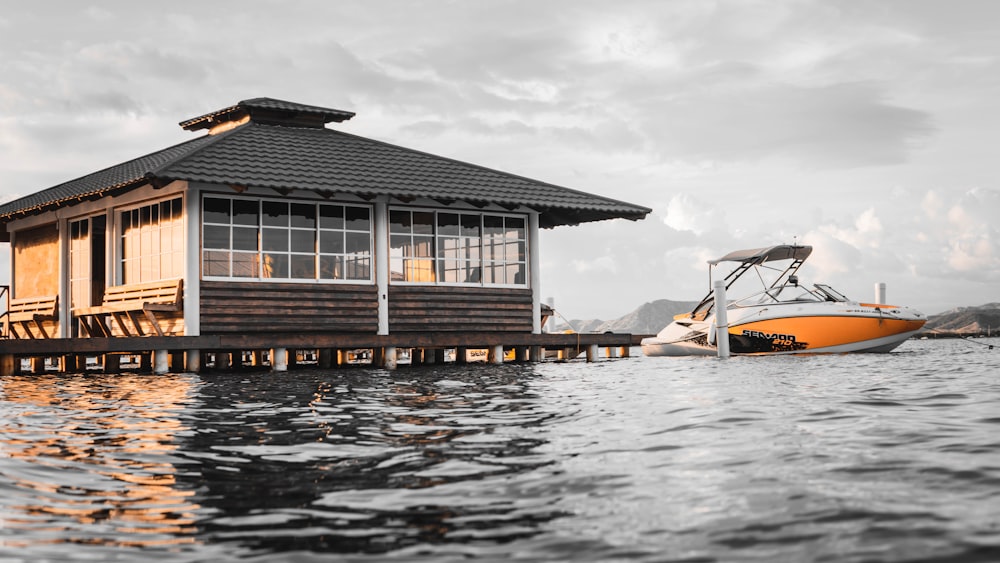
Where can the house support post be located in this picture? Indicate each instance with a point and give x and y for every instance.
(279, 359)
(626, 350)
(611, 352)
(461, 355)
(592, 351)
(161, 363)
(38, 365)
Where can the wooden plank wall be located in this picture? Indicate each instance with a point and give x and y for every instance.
(474, 309)
(248, 307)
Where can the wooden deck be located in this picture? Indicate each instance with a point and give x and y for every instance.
(529, 347)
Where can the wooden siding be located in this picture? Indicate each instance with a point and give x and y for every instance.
(248, 307)
(450, 308)
(36, 262)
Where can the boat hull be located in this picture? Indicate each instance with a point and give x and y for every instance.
(819, 334)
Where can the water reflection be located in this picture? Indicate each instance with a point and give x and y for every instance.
(368, 461)
(91, 460)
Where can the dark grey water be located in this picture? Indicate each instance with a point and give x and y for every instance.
(825, 458)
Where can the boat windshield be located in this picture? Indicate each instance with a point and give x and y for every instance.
(829, 293)
(788, 293)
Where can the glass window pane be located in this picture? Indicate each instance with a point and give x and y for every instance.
(303, 241)
(331, 267)
(216, 211)
(358, 218)
(304, 215)
(216, 263)
(274, 240)
(331, 216)
(470, 226)
(244, 238)
(516, 274)
(216, 237)
(423, 246)
(447, 224)
(400, 221)
(492, 225)
(246, 212)
(358, 243)
(423, 223)
(332, 242)
(515, 227)
(303, 267)
(358, 269)
(275, 266)
(245, 265)
(275, 213)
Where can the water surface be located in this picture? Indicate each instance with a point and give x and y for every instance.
(890, 457)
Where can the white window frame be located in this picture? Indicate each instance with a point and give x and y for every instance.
(317, 254)
(436, 259)
(118, 248)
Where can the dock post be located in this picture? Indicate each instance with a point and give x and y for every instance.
(9, 364)
(69, 363)
(611, 352)
(160, 363)
(535, 354)
(341, 357)
(461, 355)
(325, 358)
(37, 365)
(279, 359)
(430, 356)
(439, 355)
(495, 355)
(626, 351)
(592, 353)
(223, 361)
(112, 363)
(192, 361)
(389, 358)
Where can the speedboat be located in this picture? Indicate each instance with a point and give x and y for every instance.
(783, 316)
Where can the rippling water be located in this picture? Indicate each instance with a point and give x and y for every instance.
(825, 458)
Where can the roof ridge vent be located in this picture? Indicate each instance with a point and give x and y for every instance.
(268, 111)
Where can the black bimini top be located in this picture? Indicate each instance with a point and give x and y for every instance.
(756, 256)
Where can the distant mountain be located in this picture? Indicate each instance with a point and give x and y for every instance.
(966, 320)
(649, 318)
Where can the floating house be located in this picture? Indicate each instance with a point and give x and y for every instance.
(275, 222)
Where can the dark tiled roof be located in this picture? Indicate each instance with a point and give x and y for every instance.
(271, 156)
(246, 106)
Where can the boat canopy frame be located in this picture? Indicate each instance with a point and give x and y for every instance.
(751, 259)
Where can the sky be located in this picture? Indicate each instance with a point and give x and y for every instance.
(865, 129)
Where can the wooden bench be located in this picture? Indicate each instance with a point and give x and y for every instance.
(123, 302)
(32, 310)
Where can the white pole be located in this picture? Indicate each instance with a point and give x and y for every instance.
(721, 319)
(880, 293)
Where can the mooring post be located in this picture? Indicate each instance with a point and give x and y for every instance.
(721, 319)
(592, 351)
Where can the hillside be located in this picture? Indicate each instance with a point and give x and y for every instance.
(648, 318)
(966, 320)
